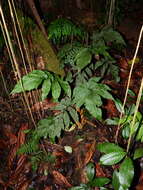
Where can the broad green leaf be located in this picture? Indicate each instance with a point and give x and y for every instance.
(112, 158)
(138, 153)
(56, 89)
(59, 125)
(83, 58)
(90, 171)
(115, 180)
(139, 116)
(94, 111)
(140, 133)
(81, 187)
(27, 83)
(79, 95)
(113, 121)
(94, 80)
(119, 105)
(114, 70)
(65, 86)
(93, 98)
(103, 188)
(66, 119)
(109, 148)
(111, 35)
(131, 93)
(100, 181)
(46, 86)
(126, 132)
(38, 73)
(104, 93)
(73, 114)
(126, 173)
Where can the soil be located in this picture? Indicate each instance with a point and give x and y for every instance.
(69, 168)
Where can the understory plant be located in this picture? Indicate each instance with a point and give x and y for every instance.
(93, 181)
(82, 89)
(87, 59)
(69, 102)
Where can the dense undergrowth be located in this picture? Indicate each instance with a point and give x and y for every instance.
(77, 99)
(80, 94)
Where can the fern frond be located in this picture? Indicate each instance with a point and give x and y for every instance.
(61, 29)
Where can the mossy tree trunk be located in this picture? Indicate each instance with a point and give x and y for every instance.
(52, 62)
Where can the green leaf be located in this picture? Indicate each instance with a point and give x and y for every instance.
(79, 95)
(119, 105)
(94, 111)
(30, 81)
(66, 119)
(113, 121)
(73, 114)
(81, 187)
(103, 188)
(101, 90)
(140, 133)
(93, 98)
(111, 35)
(100, 181)
(90, 171)
(138, 153)
(56, 89)
(65, 86)
(126, 173)
(126, 131)
(112, 158)
(46, 86)
(83, 58)
(115, 180)
(109, 148)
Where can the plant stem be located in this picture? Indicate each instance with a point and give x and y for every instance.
(135, 114)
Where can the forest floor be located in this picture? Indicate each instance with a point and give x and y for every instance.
(68, 169)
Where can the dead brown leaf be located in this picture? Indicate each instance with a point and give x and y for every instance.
(60, 179)
(99, 171)
(89, 153)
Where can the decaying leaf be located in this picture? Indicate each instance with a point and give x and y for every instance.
(60, 179)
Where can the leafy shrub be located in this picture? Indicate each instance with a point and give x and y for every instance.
(90, 95)
(126, 120)
(50, 82)
(92, 180)
(63, 29)
(80, 57)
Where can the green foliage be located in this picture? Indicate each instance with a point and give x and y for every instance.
(105, 36)
(26, 23)
(121, 179)
(90, 95)
(92, 180)
(61, 30)
(107, 66)
(102, 41)
(48, 81)
(138, 153)
(69, 53)
(79, 56)
(126, 120)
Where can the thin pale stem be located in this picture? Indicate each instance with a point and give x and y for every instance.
(128, 84)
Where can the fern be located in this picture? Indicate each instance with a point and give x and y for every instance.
(68, 53)
(62, 29)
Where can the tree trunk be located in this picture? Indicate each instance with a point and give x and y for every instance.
(53, 62)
